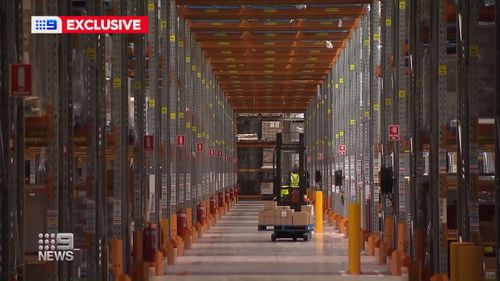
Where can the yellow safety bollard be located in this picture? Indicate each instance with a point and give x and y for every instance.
(354, 235)
(466, 262)
(318, 209)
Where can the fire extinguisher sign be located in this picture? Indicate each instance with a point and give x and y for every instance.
(212, 152)
(180, 141)
(20, 80)
(199, 147)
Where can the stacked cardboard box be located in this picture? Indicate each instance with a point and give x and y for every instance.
(267, 216)
(284, 216)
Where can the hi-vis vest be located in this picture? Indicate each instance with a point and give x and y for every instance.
(294, 180)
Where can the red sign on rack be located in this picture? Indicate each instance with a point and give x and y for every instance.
(180, 141)
(320, 156)
(212, 152)
(394, 132)
(199, 147)
(148, 143)
(226, 158)
(220, 153)
(20, 80)
(341, 149)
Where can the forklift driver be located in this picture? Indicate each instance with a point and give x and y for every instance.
(294, 177)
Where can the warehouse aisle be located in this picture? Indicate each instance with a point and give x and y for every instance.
(233, 249)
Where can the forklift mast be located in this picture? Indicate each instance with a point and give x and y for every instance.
(278, 184)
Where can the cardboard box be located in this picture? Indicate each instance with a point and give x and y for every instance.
(307, 208)
(283, 207)
(284, 217)
(267, 217)
(302, 218)
(270, 205)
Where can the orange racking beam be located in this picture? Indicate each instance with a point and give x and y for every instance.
(268, 2)
(267, 72)
(297, 82)
(271, 45)
(244, 25)
(273, 66)
(270, 36)
(272, 13)
(270, 60)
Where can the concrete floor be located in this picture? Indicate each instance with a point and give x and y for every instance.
(233, 249)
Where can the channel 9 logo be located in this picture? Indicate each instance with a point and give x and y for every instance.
(56, 247)
(46, 25)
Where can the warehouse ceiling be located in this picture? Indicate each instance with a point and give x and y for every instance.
(270, 55)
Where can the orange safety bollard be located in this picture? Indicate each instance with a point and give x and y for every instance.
(402, 237)
(354, 238)
(159, 268)
(396, 263)
(117, 257)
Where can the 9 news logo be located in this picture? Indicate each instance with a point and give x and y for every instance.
(46, 25)
(56, 247)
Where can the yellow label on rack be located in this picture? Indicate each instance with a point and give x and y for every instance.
(442, 69)
(314, 51)
(193, 128)
(388, 101)
(226, 52)
(216, 23)
(270, 34)
(376, 37)
(210, 105)
(220, 34)
(367, 42)
(336, 85)
(151, 6)
(270, 23)
(341, 81)
(91, 53)
(202, 81)
(117, 82)
(269, 52)
(164, 110)
(203, 134)
(173, 116)
(172, 38)
(229, 59)
(188, 59)
(198, 74)
(367, 113)
(211, 11)
(137, 85)
(163, 24)
(332, 10)
(474, 51)
(151, 103)
(419, 83)
(341, 133)
(402, 93)
(269, 10)
(198, 135)
(193, 67)
(337, 136)
(352, 122)
(269, 43)
(326, 22)
(388, 22)
(402, 5)
(312, 59)
(323, 34)
(224, 43)
(352, 66)
(269, 59)
(181, 43)
(181, 115)
(188, 125)
(376, 107)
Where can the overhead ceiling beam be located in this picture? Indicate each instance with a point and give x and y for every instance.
(271, 36)
(272, 13)
(268, 2)
(271, 45)
(244, 25)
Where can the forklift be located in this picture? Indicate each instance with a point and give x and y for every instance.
(286, 195)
